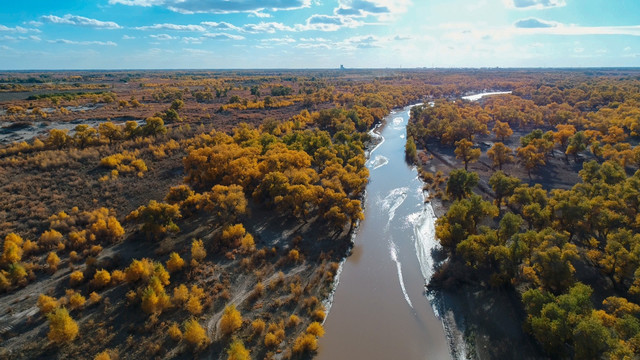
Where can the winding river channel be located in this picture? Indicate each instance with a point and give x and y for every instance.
(379, 309)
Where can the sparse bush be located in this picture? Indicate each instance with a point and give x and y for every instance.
(53, 260)
(118, 276)
(103, 356)
(76, 277)
(180, 294)
(47, 304)
(94, 298)
(174, 332)
(318, 314)
(305, 343)
(294, 255)
(237, 351)
(198, 253)
(258, 326)
(50, 238)
(76, 301)
(315, 328)
(293, 321)
(139, 269)
(194, 306)
(175, 262)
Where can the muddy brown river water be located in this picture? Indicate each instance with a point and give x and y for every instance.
(380, 310)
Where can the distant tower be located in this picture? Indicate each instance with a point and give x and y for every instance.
(341, 67)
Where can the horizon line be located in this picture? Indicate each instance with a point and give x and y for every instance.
(338, 68)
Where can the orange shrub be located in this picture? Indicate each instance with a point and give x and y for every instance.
(50, 237)
(316, 329)
(101, 278)
(46, 304)
(174, 332)
(53, 260)
(305, 343)
(76, 277)
(175, 262)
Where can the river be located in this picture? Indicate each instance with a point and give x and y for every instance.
(379, 309)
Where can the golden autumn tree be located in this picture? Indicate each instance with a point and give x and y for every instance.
(465, 152)
(194, 333)
(500, 154)
(562, 135)
(175, 262)
(157, 218)
(237, 351)
(231, 320)
(12, 249)
(502, 130)
(62, 328)
(198, 252)
(530, 157)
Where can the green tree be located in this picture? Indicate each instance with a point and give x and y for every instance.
(410, 150)
(462, 219)
(503, 186)
(460, 183)
(154, 126)
(157, 218)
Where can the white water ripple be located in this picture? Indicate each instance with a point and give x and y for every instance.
(424, 239)
(393, 251)
(378, 162)
(392, 202)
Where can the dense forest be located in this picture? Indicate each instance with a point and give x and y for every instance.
(188, 213)
(540, 191)
(202, 213)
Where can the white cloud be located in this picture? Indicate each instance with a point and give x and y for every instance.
(384, 10)
(220, 25)
(197, 51)
(307, 45)
(534, 4)
(223, 36)
(191, 40)
(533, 23)
(162, 37)
(172, 27)
(279, 41)
(127, 37)
(80, 21)
(219, 7)
(575, 30)
(73, 42)
(35, 38)
(267, 27)
(259, 14)
(18, 29)
(329, 23)
(314, 39)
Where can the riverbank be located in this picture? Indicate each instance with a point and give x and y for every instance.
(481, 322)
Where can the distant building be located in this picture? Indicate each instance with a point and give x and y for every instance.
(341, 67)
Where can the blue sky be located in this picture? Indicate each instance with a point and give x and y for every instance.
(218, 34)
